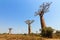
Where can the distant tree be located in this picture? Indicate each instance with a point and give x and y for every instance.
(29, 22)
(10, 29)
(47, 32)
(4, 33)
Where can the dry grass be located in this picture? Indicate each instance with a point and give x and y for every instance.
(19, 37)
(23, 37)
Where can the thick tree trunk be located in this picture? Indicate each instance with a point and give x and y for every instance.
(42, 22)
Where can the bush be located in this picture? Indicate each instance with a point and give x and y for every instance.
(57, 33)
(47, 32)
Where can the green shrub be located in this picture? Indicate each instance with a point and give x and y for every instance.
(47, 32)
(57, 33)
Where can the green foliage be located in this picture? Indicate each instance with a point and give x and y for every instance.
(47, 32)
(4, 33)
(32, 34)
(57, 33)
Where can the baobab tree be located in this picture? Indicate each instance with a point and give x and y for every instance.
(10, 30)
(29, 22)
(44, 8)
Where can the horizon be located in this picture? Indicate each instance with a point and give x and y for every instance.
(14, 13)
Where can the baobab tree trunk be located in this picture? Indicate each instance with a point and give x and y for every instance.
(42, 22)
(10, 29)
(29, 28)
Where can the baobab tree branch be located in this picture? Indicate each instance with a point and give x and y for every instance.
(43, 9)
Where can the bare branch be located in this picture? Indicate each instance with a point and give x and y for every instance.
(29, 21)
(43, 9)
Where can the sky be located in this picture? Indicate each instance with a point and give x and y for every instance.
(14, 13)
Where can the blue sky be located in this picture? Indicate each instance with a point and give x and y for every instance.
(13, 13)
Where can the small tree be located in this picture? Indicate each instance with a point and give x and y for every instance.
(47, 32)
(29, 22)
(10, 29)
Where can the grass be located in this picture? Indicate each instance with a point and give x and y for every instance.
(19, 37)
(24, 37)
